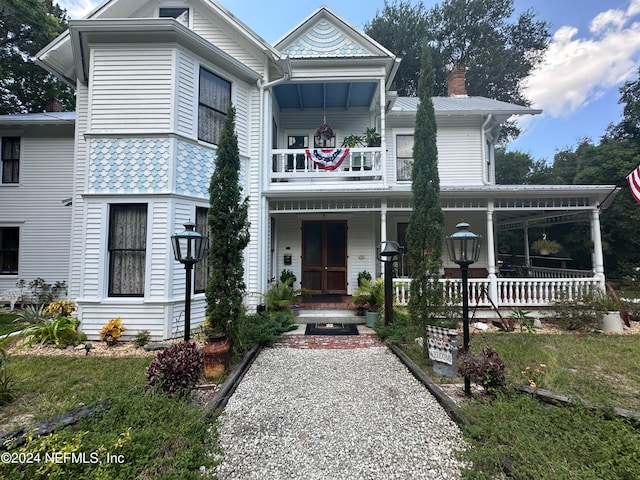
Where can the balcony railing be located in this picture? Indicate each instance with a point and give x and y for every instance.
(359, 164)
(511, 292)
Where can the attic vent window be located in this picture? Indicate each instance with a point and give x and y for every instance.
(181, 14)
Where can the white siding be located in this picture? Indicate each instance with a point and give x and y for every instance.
(35, 205)
(131, 89)
(79, 185)
(159, 253)
(94, 257)
(226, 40)
(460, 156)
(187, 98)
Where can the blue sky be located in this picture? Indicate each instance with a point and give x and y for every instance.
(595, 48)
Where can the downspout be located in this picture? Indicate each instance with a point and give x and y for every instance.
(488, 179)
(263, 211)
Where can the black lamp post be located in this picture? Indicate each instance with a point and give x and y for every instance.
(388, 254)
(188, 248)
(464, 249)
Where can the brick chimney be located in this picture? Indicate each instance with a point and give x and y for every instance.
(53, 105)
(456, 82)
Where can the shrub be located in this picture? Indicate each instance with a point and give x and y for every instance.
(287, 276)
(32, 314)
(60, 331)
(112, 331)
(486, 369)
(176, 370)
(582, 313)
(60, 308)
(142, 338)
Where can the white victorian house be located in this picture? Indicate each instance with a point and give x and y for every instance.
(154, 80)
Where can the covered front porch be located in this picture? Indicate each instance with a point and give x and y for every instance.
(347, 228)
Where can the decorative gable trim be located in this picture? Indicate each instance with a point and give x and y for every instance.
(324, 39)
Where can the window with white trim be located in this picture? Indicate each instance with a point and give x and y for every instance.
(9, 243)
(127, 249)
(214, 100)
(10, 159)
(404, 157)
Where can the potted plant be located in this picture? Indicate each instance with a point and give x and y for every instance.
(324, 131)
(363, 275)
(370, 294)
(546, 247)
(372, 138)
(353, 141)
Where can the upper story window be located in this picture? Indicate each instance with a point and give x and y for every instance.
(10, 159)
(214, 100)
(404, 156)
(9, 240)
(127, 249)
(181, 14)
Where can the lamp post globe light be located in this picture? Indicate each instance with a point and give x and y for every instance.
(388, 254)
(188, 249)
(464, 249)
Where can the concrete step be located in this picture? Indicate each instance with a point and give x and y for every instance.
(335, 316)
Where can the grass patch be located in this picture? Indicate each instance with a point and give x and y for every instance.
(518, 436)
(154, 436)
(7, 324)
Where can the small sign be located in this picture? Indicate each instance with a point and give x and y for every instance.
(442, 348)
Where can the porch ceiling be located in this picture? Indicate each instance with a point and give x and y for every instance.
(344, 95)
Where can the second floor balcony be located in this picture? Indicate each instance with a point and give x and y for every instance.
(327, 166)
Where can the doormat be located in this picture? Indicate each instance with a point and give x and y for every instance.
(331, 329)
(327, 298)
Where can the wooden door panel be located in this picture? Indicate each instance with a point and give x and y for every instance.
(324, 256)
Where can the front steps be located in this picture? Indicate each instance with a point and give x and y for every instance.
(328, 316)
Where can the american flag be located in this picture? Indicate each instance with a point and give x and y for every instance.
(634, 183)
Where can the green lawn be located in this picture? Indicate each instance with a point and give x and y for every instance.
(518, 435)
(149, 435)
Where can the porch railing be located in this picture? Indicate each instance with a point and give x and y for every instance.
(544, 272)
(511, 292)
(295, 165)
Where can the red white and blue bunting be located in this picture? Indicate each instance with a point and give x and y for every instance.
(329, 159)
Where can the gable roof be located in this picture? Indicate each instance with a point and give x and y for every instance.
(323, 34)
(111, 17)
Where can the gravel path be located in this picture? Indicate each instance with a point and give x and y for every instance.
(335, 414)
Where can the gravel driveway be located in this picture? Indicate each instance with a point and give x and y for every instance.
(335, 414)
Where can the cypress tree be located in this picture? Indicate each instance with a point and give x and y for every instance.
(228, 233)
(426, 223)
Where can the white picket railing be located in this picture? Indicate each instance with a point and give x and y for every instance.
(511, 292)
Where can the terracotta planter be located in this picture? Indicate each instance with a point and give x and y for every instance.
(216, 356)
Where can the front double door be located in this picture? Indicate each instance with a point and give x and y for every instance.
(324, 257)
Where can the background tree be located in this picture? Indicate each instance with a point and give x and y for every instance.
(27, 26)
(520, 168)
(497, 49)
(426, 224)
(229, 235)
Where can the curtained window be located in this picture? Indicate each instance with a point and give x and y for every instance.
(127, 249)
(404, 156)
(201, 269)
(9, 240)
(214, 100)
(181, 14)
(10, 159)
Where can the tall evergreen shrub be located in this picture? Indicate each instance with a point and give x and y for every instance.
(426, 223)
(228, 233)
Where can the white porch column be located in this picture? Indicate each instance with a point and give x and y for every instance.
(491, 256)
(598, 257)
(383, 229)
(383, 136)
(527, 260)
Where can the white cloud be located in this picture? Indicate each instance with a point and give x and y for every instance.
(79, 8)
(578, 70)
